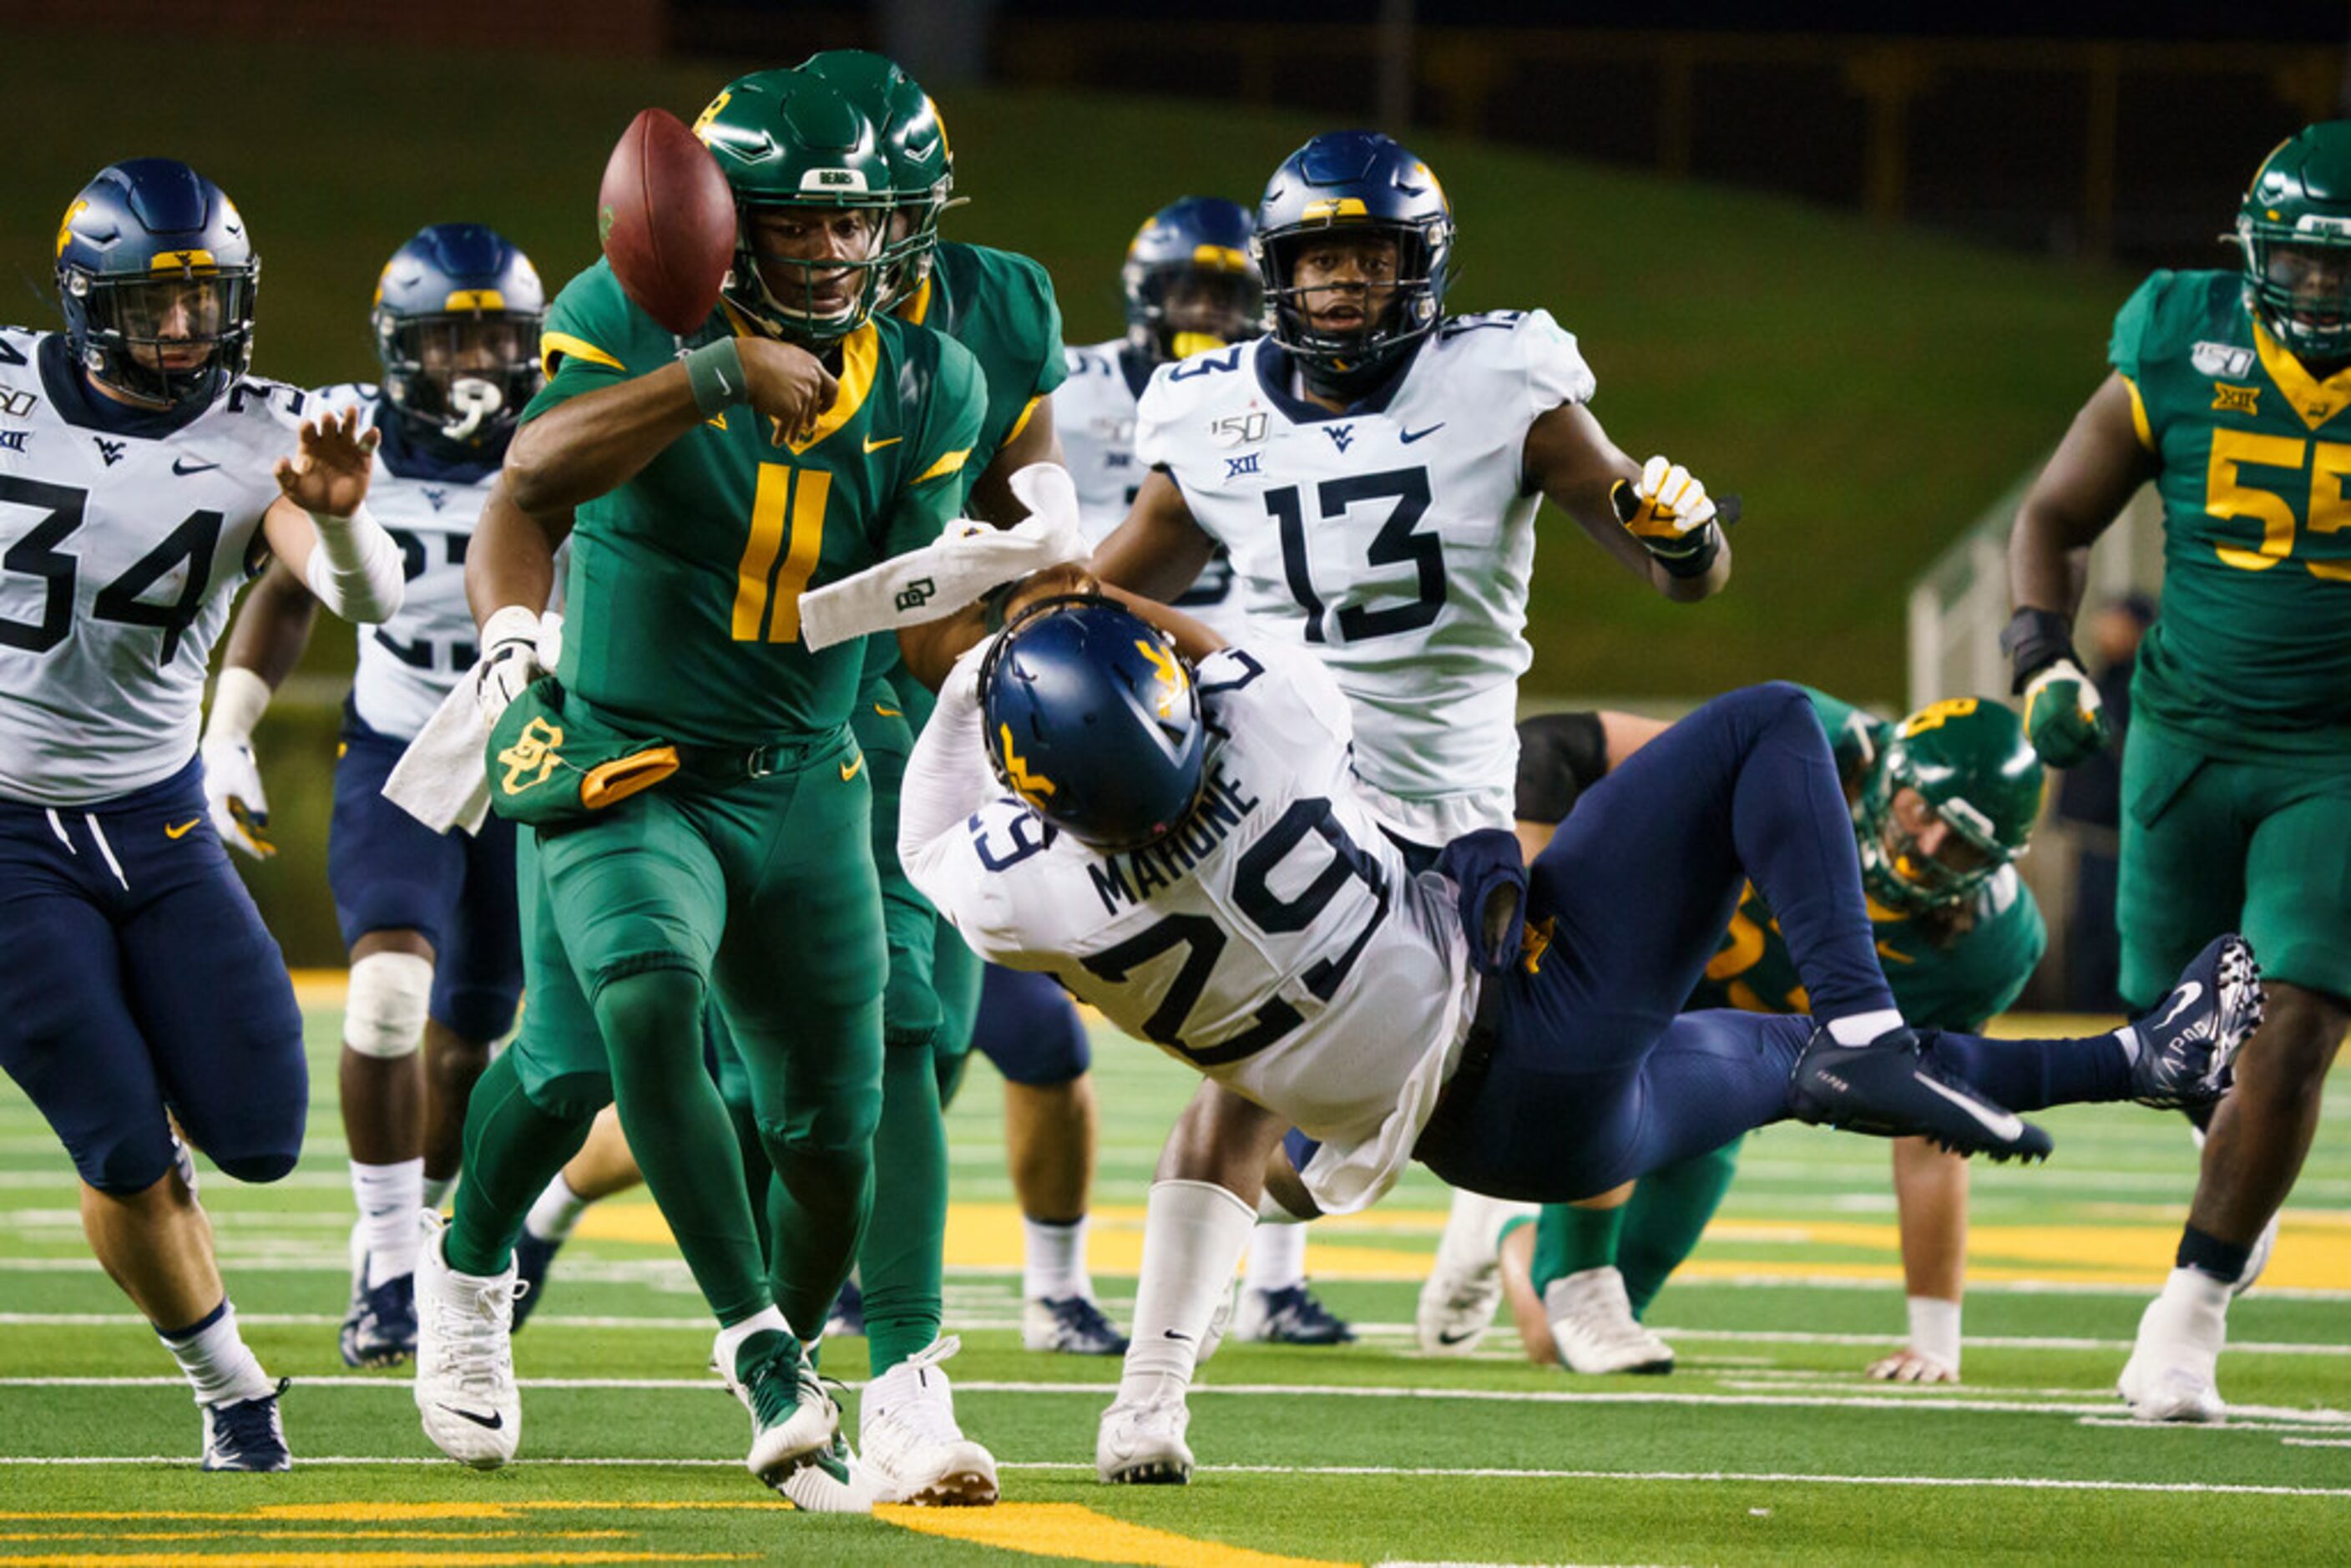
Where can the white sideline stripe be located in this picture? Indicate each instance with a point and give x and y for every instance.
(1777, 1478)
(2316, 1421)
(1368, 1331)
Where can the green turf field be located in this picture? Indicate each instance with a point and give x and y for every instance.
(1765, 1444)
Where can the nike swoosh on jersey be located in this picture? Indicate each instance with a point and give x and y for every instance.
(1407, 437)
(850, 769)
(183, 830)
(182, 466)
(495, 1420)
(2008, 1126)
(1449, 1336)
(873, 445)
(2186, 996)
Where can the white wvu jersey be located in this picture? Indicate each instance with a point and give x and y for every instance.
(124, 536)
(409, 663)
(1275, 941)
(1093, 414)
(1393, 541)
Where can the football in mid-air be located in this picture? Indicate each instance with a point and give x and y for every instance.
(666, 220)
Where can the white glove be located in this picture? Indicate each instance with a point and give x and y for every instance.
(234, 797)
(510, 659)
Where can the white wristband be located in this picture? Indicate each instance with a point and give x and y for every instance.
(239, 699)
(1935, 1328)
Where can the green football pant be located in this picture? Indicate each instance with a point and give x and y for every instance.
(764, 888)
(2211, 845)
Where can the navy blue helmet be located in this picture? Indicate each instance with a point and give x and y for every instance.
(156, 277)
(1093, 720)
(456, 318)
(1191, 283)
(1342, 186)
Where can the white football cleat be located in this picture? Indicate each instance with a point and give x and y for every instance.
(1143, 1445)
(1465, 1286)
(916, 1452)
(793, 1420)
(465, 1357)
(2172, 1372)
(830, 1481)
(1591, 1322)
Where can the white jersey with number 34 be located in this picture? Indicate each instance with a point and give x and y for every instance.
(122, 545)
(1275, 941)
(1393, 541)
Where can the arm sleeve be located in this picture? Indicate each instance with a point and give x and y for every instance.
(945, 781)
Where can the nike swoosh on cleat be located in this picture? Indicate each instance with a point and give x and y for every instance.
(2186, 996)
(1171, 1334)
(1446, 1336)
(2008, 1126)
(494, 1421)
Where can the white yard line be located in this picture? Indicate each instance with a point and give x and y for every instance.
(1761, 1478)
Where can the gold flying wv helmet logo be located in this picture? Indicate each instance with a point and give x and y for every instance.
(1170, 676)
(1030, 787)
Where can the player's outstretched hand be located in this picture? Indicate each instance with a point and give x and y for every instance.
(329, 472)
(234, 797)
(1491, 874)
(788, 384)
(1667, 511)
(2063, 716)
(1908, 1365)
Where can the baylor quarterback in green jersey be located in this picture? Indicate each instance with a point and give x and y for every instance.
(1943, 801)
(794, 438)
(2231, 391)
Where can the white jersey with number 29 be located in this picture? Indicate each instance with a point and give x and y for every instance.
(1274, 941)
(1393, 541)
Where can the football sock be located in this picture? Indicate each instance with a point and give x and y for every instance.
(1277, 1254)
(1935, 1328)
(437, 1189)
(1568, 1241)
(2029, 1074)
(558, 1209)
(899, 1261)
(679, 1129)
(1192, 1233)
(2212, 1256)
(731, 1337)
(220, 1369)
(1668, 1214)
(1860, 1028)
(512, 1149)
(2199, 1293)
(1055, 1259)
(389, 1197)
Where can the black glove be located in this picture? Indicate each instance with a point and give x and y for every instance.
(1491, 875)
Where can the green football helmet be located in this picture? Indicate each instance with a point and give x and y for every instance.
(1969, 761)
(922, 164)
(2295, 228)
(789, 141)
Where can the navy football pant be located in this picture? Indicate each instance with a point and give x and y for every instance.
(391, 873)
(1028, 1025)
(1595, 1076)
(139, 979)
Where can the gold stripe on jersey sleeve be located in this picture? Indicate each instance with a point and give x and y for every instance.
(2138, 414)
(2316, 401)
(1022, 423)
(552, 344)
(950, 463)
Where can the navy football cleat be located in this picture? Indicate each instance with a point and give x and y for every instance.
(847, 1314)
(533, 1258)
(380, 1328)
(1073, 1325)
(1293, 1315)
(2183, 1048)
(248, 1435)
(1892, 1088)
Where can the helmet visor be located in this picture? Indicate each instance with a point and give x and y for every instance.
(1193, 308)
(820, 266)
(2304, 289)
(172, 324)
(1933, 853)
(465, 373)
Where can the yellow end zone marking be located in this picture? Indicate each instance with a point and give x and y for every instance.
(1070, 1530)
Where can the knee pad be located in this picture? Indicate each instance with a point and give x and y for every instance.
(258, 1167)
(384, 1013)
(1029, 1028)
(1560, 755)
